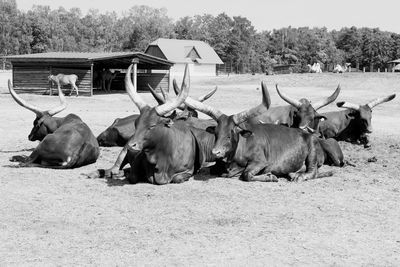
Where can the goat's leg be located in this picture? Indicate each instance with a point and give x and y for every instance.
(76, 89)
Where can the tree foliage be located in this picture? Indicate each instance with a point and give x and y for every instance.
(235, 39)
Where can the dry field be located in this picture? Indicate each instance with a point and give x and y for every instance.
(59, 217)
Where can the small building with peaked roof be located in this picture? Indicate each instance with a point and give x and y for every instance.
(31, 71)
(200, 56)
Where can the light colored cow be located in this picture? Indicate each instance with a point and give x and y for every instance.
(62, 79)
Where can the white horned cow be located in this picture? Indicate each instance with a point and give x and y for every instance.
(339, 69)
(315, 68)
(63, 79)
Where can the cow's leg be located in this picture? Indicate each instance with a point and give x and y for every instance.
(181, 177)
(311, 163)
(109, 86)
(76, 89)
(253, 170)
(233, 171)
(115, 170)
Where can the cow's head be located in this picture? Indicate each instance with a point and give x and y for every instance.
(362, 114)
(44, 123)
(230, 127)
(306, 116)
(151, 116)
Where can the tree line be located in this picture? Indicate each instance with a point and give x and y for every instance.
(235, 39)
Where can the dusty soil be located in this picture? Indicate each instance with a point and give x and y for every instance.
(59, 217)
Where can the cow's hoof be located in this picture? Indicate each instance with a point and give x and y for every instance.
(296, 177)
(18, 158)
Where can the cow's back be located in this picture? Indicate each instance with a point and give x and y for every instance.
(280, 114)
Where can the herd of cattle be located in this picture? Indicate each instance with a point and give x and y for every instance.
(169, 143)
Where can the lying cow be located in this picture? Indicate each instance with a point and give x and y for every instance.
(299, 114)
(260, 152)
(353, 124)
(64, 142)
(171, 153)
(63, 79)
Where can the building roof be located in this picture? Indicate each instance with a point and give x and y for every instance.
(395, 61)
(177, 50)
(89, 57)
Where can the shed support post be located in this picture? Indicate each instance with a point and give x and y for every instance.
(135, 61)
(50, 83)
(91, 79)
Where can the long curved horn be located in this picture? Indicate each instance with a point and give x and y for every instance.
(380, 100)
(206, 109)
(291, 101)
(156, 96)
(349, 105)
(255, 111)
(200, 98)
(327, 100)
(171, 105)
(23, 103)
(208, 95)
(165, 94)
(131, 90)
(61, 107)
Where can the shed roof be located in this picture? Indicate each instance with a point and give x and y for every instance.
(89, 57)
(177, 50)
(395, 61)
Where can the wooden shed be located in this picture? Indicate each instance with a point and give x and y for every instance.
(31, 71)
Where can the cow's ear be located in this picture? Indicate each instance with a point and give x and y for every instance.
(246, 133)
(211, 129)
(169, 123)
(351, 115)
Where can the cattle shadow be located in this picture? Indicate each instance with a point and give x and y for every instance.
(17, 151)
(204, 175)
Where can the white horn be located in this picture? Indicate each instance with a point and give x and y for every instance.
(131, 89)
(327, 100)
(380, 100)
(22, 102)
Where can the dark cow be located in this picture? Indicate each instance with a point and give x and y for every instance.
(330, 153)
(172, 153)
(64, 142)
(353, 124)
(260, 152)
(299, 114)
(119, 132)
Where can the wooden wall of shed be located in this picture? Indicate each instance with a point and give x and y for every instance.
(154, 79)
(34, 79)
(31, 79)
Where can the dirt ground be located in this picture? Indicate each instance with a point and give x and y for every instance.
(59, 217)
